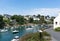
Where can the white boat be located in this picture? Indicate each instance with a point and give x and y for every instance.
(29, 28)
(12, 28)
(32, 26)
(16, 38)
(15, 31)
(4, 30)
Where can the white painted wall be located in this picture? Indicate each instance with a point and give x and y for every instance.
(57, 19)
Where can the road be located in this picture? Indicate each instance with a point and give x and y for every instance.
(54, 34)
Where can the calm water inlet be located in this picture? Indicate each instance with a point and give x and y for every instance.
(8, 36)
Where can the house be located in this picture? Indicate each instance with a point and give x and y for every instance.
(35, 18)
(13, 21)
(47, 18)
(7, 16)
(27, 18)
(57, 22)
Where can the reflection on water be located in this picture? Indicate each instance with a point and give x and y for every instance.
(8, 36)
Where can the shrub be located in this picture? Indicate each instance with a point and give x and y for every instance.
(57, 29)
(35, 37)
(46, 34)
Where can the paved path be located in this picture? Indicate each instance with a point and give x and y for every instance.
(55, 35)
(53, 39)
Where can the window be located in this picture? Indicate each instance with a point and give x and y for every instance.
(56, 23)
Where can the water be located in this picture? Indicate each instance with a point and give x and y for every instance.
(8, 36)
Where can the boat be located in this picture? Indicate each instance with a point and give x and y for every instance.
(29, 28)
(15, 31)
(32, 26)
(12, 28)
(3, 30)
(16, 38)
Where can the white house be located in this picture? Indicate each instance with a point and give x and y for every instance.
(34, 18)
(57, 22)
(27, 18)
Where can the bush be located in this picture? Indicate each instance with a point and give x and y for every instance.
(57, 29)
(31, 37)
(46, 34)
(35, 37)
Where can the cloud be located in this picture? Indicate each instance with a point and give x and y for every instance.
(42, 11)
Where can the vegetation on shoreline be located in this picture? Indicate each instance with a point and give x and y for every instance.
(36, 37)
(21, 20)
(2, 23)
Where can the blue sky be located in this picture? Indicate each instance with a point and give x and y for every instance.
(30, 7)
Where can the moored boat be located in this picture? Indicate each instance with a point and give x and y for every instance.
(3, 30)
(15, 31)
(29, 28)
(16, 38)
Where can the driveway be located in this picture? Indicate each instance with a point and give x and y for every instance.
(55, 35)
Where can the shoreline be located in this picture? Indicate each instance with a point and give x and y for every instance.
(29, 24)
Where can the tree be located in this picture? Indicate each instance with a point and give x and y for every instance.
(21, 20)
(6, 21)
(42, 20)
(52, 18)
(14, 17)
(46, 17)
(30, 20)
(38, 15)
(18, 18)
(36, 22)
(2, 24)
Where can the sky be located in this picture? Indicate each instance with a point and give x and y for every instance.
(30, 7)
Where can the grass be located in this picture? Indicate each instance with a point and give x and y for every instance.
(57, 29)
(35, 37)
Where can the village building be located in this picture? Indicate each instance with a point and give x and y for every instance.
(57, 22)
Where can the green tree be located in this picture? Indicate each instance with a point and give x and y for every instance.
(31, 20)
(2, 24)
(52, 18)
(36, 22)
(38, 16)
(20, 19)
(42, 20)
(7, 21)
(47, 16)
